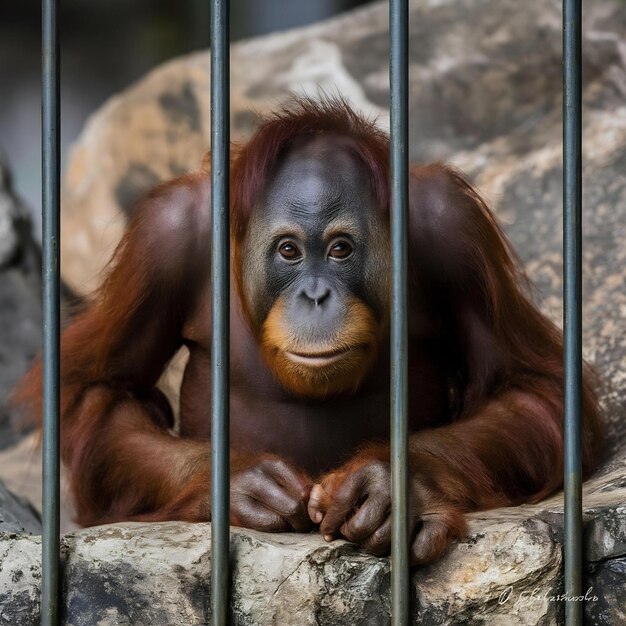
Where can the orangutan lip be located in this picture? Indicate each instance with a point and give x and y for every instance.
(318, 358)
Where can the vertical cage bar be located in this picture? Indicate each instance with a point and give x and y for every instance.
(399, 88)
(50, 171)
(572, 314)
(220, 471)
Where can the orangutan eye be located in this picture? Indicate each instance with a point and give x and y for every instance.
(289, 251)
(340, 250)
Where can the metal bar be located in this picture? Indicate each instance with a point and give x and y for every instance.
(220, 471)
(50, 134)
(399, 87)
(572, 293)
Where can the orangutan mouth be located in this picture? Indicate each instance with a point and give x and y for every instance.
(318, 359)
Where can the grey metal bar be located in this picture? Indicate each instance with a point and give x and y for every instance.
(572, 293)
(399, 87)
(50, 171)
(220, 471)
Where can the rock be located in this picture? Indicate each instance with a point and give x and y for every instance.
(17, 514)
(485, 95)
(507, 571)
(20, 579)
(606, 605)
(20, 301)
(606, 534)
(157, 574)
(21, 471)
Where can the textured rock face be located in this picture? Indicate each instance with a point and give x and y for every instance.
(20, 300)
(17, 514)
(507, 571)
(485, 94)
(157, 574)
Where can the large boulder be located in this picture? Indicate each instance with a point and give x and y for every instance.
(486, 95)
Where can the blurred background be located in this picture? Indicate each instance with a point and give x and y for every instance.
(105, 46)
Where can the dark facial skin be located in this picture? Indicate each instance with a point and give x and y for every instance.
(315, 268)
(312, 237)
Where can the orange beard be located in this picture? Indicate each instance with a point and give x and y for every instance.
(359, 333)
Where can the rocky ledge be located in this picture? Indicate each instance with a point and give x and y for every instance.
(507, 571)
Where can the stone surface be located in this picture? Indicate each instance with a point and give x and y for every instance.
(20, 579)
(607, 606)
(21, 471)
(485, 95)
(20, 300)
(507, 571)
(17, 514)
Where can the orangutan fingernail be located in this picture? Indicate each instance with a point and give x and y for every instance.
(317, 517)
(328, 537)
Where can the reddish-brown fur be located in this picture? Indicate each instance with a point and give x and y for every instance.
(485, 364)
